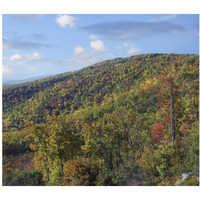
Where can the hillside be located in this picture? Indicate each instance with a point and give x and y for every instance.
(117, 119)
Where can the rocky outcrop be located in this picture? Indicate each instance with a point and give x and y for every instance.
(184, 177)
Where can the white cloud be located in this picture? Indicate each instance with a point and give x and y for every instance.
(133, 50)
(20, 64)
(65, 20)
(24, 58)
(97, 45)
(33, 56)
(87, 58)
(78, 50)
(15, 57)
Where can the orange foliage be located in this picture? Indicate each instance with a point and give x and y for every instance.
(81, 171)
(158, 132)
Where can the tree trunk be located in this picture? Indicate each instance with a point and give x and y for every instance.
(109, 161)
(131, 142)
(47, 171)
(118, 150)
(47, 168)
(61, 166)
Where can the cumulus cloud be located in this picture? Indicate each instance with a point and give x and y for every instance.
(15, 57)
(97, 45)
(25, 58)
(22, 64)
(133, 50)
(33, 56)
(78, 50)
(65, 20)
(128, 30)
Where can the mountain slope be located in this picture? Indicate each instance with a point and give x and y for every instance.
(130, 121)
(64, 93)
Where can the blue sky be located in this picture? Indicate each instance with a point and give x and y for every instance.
(36, 45)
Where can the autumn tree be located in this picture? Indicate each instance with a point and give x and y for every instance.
(81, 172)
(64, 141)
(38, 139)
(168, 89)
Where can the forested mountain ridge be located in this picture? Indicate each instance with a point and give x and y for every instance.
(67, 92)
(115, 119)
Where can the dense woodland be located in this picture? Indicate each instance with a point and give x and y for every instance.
(130, 121)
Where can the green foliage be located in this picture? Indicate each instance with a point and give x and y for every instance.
(53, 145)
(164, 154)
(110, 124)
(126, 174)
(14, 144)
(24, 178)
(191, 181)
(192, 144)
(30, 178)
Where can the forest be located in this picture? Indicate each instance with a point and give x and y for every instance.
(123, 122)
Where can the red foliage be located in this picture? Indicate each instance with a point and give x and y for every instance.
(15, 162)
(6, 170)
(54, 104)
(63, 86)
(158, 132)
(30, 164)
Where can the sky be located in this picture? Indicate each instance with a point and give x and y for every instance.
(38, 45)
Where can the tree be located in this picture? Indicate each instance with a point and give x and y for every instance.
(64, 141)
(168, 89)
(53, 145)
(81, 171)
(38, 139)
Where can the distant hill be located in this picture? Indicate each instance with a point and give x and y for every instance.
(14, 82)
